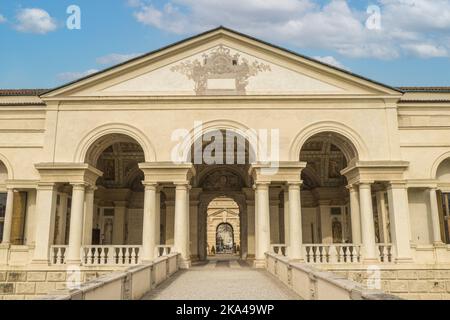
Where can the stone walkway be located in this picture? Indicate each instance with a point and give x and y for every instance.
(225, 278)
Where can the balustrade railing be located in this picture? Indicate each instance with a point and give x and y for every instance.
(332, 253)
(385, 252)
(58, 254)
(163, 250)
(279, 249)
(110, 255)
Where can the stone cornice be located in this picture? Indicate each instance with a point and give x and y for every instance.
(370, 171)
(287, 171)
(74, 173)
(167, 172)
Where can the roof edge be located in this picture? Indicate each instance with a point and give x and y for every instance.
(233, 32)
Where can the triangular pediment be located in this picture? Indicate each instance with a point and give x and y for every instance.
(221, 63)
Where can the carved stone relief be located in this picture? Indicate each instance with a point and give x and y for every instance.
(221, 72)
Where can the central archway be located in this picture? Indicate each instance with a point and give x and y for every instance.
(222, 162)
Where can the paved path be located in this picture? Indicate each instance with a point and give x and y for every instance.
(222, 279)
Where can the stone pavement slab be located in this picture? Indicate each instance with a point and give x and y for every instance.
(222, 282)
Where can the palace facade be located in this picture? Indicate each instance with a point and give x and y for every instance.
(87, 176)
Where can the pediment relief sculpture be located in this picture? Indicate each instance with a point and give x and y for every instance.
(221, 72)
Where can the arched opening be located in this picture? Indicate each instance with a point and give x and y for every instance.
(223, 227)
(118, 198)
(225, 239)
(222, 161)
(443, 194)
(325, 199)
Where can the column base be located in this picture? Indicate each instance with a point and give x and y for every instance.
(371, 261)
(439, 244)
(403, 260)
(73, 262)
(259, 263)
(185, 263)
(40, 262)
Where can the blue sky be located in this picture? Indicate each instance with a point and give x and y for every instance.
(408, 43)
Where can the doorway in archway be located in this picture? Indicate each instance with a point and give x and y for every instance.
(223, 227)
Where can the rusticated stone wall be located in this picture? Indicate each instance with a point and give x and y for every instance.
(29, 284)
(411, 284)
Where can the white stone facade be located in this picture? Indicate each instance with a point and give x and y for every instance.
(87, 175)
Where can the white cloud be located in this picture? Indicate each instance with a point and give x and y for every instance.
(116, 58)
(134, 3)
(2, 19)
(408, 27)
(35, 20)
(331, 61)
(425, 50)
(71, 76)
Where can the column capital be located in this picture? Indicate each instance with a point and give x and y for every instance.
(397, 185)
(365, 184)
(150, 185)
(297, 183)
(46, 186)
(90, 188)
(182, 185)
(79, 185)
(352, 187)
(261, 185)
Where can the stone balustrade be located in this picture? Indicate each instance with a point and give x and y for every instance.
(312, 284)
(110, 255)
(131, 284)
(280, 249)
(336, 253)
(99, 255)
(332, 253)
(385, 251)
(163, 250)
(58, 254)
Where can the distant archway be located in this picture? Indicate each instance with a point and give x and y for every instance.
(225, 239)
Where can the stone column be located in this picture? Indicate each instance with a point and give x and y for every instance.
(295, 222)
(367, 223)
(181, 237)
(158, 217)
(326, 224)
(286, 217)
(45, 211)
(149, 224)
(382, 217)
(400, 225)
(194, 219)
(274, 201)
(262, 229)
(251, 227)
(355, 215)
(188, 224)
(8, 217)
(76, 224)
(88, 220)
(120, 208)
(63, 198)
(435, 216)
